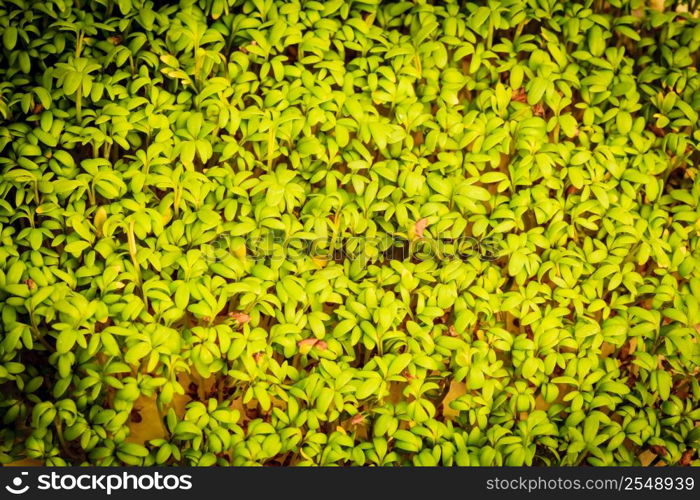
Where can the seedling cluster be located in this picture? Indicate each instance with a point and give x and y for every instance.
(178, 179)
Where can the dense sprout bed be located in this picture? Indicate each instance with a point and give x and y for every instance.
(349, 232)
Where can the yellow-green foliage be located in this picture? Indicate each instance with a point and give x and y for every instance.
(349, 232)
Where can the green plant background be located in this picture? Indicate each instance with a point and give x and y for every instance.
(145, 147)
